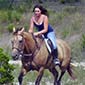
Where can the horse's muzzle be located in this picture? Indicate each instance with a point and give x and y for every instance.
(14, 56)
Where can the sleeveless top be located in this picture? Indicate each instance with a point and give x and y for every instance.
(41, 27)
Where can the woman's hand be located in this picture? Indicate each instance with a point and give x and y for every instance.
(37, 34)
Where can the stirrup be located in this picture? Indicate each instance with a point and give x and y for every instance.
(56, 62)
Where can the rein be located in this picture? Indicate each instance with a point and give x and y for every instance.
(35, 41)
(34, 52)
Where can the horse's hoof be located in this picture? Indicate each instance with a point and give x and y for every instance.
(58, 83)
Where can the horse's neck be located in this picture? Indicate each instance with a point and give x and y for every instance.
(29, 47)
(31, 43)
(39, 42)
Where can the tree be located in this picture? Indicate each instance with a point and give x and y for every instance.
(5, 69)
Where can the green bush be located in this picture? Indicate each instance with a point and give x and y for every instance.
(10, 16)
(26, 26)
(14, 16)
(3, 16)
(10, 27)
(5, 69)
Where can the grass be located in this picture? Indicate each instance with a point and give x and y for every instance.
(57, 17)
(73, 26)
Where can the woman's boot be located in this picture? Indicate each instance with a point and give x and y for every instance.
(55, 57)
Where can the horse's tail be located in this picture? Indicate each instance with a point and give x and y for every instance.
(70, 71)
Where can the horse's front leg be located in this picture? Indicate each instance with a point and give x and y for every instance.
(22, 73)
(40, 74)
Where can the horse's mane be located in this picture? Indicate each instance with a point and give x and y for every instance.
(27, 35)
(28, 38)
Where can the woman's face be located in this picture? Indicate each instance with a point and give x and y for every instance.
(37, 12)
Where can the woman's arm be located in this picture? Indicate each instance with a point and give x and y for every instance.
(31, 26)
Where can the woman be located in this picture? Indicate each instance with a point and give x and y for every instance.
(40, 21)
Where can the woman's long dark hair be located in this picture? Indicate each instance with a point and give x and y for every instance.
(43, 10)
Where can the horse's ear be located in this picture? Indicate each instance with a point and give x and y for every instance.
(14, 29)
(19, 32)
(22, 29)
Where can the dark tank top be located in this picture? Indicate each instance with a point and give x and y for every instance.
(41, 27)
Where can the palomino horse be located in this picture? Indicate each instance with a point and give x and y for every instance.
(35, 56)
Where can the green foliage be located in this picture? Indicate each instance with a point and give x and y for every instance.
(10, 16)
(10, 27)
(14, 16)
(3, 16)
(26, 25)
(5, 69)
(24, 6)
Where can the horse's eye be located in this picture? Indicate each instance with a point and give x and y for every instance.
(11, 41)
(20, 41)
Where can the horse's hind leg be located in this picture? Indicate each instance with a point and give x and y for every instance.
(40, 74)
(55, 74)
(61, 75)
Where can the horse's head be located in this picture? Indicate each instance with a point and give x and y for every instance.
(23, 43)
(17, 43)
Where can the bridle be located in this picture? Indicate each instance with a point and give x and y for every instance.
(32, 53)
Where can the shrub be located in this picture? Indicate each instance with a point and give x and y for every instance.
(14, 16)
(5, 69)
(10, 27)
(3, 16)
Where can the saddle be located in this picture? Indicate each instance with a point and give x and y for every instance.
(49, 44)
(47, 41)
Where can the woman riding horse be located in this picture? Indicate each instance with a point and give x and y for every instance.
(37, 58)
(40, 21)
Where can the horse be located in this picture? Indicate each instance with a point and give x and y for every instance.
(34, 55)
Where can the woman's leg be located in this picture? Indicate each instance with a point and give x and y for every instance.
(52, 37)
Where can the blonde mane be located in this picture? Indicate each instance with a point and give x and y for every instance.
(29, 39)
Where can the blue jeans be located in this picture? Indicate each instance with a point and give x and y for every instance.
(52, 37)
